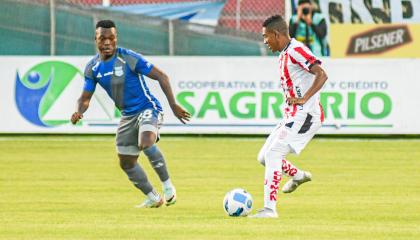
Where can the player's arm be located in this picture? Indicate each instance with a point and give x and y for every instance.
(82, 106)
(320, 78)
(84, 99)
(163, 80)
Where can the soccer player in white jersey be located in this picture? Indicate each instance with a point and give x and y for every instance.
(301, 77)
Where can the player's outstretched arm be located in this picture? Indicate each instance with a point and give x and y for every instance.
(163, 80)
(320, 78)
(82, 106)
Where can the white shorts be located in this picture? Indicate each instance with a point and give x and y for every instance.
(294, 132)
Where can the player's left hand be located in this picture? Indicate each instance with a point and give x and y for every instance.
(180, 113)
(295, 101)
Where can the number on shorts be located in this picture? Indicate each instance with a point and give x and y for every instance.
(146, 115)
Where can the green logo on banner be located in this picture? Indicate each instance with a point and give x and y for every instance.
(37, 92)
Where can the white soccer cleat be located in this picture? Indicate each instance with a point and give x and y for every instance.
(292, 184)
(265, 213)
(170, 195)
(149, 203)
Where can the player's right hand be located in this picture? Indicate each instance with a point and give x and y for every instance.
(76, 117)
(180, 113)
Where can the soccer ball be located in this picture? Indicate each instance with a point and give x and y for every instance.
(237, 202)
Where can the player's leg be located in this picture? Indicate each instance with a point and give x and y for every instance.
(267, 144)
(158, 163)
(297, 176)
(149, 123)
(128, 152)
(139, 179)
(304, 129)
(273, 155)
(154, 155)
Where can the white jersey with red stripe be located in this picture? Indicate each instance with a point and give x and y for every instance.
(295, 61)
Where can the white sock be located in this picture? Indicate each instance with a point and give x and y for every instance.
(290, 170)
(271, 187)
(273, 173)
(153, 196)
(167, 183)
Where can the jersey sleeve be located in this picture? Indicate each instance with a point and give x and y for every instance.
(90, 83)
(303, 57)
(140, 64)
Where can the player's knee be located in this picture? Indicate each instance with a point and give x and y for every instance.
(276, 153)
(151, 151)
(260, 157)
(147, 140)
(127, 162)
(126, 165)
(145, 145)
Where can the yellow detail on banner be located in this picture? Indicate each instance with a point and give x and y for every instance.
(375, 40)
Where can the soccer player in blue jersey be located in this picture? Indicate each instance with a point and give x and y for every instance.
(121, 73)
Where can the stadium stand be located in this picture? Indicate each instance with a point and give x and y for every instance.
(25, 27)
(252, 12)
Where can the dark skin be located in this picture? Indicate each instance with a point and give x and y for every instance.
(106, 43)
(277, 41)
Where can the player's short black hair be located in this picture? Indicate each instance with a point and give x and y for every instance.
(105, 24)
(304, 1)
(277, 23)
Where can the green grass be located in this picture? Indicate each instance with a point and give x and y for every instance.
(72, 188)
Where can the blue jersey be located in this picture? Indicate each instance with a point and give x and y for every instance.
(123, 80)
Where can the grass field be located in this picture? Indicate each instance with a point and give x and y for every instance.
(72, 188)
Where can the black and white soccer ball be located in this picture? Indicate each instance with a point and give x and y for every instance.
(237, 203)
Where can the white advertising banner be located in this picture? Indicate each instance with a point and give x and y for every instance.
(225, 95)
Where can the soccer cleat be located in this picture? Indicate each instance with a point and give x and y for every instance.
(149, 203)
(292, 184)
(170, 195)
(265, 213)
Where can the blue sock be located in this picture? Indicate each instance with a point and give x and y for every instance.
(157, 161)
(138, 177)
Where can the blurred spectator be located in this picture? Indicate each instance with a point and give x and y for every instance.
(310, 28)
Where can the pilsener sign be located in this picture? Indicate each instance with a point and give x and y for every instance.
(379, 40)
(375, 40)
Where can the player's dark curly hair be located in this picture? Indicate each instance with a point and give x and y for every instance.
(276, 23)
(105, 24)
